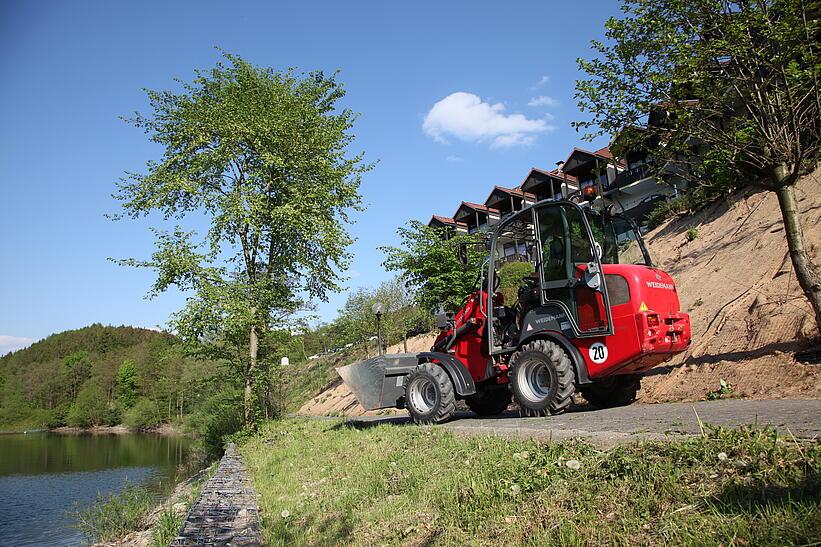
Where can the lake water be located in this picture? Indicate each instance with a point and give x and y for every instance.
(44, 475)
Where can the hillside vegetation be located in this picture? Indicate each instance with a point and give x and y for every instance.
(101, 375)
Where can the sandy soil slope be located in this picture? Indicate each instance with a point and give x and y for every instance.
(735, 279)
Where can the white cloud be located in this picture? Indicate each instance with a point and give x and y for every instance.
(466, 117)
(543, 100)
(453, 158)
(13, 343)
(543, 80)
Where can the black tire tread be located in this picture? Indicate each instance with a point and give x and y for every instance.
(563, 398)
(447, 404)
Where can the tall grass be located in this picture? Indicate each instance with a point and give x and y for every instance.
(113, 516)
(326, 482)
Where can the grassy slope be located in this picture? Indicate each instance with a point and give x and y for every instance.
(409, 485)
(307, 379)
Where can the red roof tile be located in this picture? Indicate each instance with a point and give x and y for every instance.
(515, 191)
(446, 220)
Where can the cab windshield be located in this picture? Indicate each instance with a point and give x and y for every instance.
(618, 239)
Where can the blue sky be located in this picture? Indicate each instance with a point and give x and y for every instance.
(454, 98)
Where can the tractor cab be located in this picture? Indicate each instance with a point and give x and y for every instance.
(586, 275)
(560, 248)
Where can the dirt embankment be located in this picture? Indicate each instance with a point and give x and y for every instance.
(735, 279)
(748, 313)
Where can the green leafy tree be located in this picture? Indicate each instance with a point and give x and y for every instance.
(428, 263)
(126, 384)
(144, 414)
(13, 403)
(263, 156)
(356, 317)
(734, 82)
(90, 408)
(400, 311)
(76, 369)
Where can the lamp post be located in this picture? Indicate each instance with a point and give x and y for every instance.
(377, 309)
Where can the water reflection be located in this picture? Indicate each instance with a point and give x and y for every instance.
(43, 475)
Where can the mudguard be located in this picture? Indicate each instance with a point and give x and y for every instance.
(458, 372)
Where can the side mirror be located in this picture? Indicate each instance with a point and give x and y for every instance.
(592, 276)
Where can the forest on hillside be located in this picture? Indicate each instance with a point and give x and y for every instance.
(104, 375)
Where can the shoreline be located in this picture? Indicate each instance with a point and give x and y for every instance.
(163, 430)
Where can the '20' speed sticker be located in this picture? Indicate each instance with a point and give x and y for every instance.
(598, 353)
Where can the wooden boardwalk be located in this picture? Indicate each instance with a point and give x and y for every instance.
(226, 512)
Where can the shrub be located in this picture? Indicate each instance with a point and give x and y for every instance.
(219, 417)
(90, 408)
(692, 233)
(58, 415)
(143, 415)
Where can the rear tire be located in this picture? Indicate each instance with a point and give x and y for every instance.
(542, 379)
(612, 391)
(429, 395)
(490, 400)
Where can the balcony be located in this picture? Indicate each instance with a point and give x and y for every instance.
(631, 175)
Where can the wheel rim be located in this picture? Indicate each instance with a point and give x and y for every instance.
(534, 380)
(422, 395)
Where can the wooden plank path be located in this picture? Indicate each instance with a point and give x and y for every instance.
(226, 512)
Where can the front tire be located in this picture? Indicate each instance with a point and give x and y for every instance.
(489, 401)
(542, 379)
(613, 391)
(429, 395)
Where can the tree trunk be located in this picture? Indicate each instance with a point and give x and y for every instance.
(253, 347)
(805, 271)
(405, 341)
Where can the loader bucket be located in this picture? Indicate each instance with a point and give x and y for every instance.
(379, 382)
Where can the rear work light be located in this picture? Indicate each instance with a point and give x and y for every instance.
(652, 320)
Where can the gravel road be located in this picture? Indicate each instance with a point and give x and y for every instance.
(613, 426)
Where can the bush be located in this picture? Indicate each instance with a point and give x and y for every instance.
(219, 417)
(692, 233)
(113, 415)
(143, 415)
(90, 408)
(58, 416)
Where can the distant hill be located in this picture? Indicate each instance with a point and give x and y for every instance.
(72, 378)
(96, 338)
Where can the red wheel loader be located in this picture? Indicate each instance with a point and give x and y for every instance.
(591, 317)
